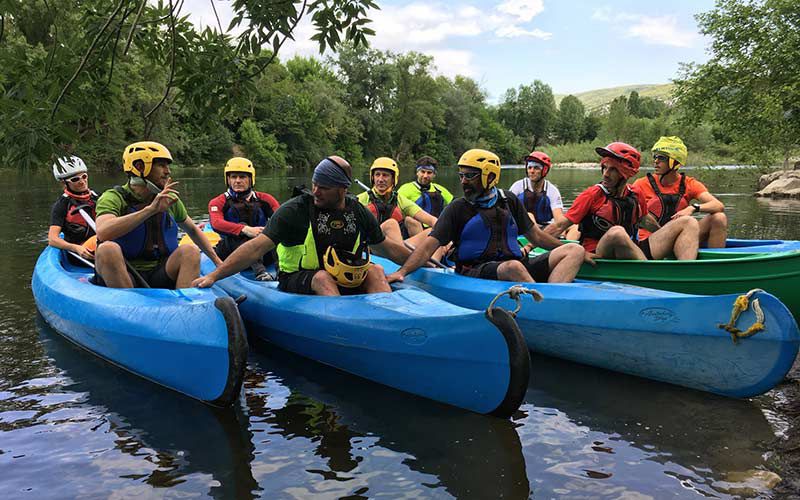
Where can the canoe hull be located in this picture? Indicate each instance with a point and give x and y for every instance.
(735, 245)
(663, 336)
(408, 340)
(190, 340)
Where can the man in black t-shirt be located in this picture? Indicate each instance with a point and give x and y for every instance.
(484, 225)
(321, 239)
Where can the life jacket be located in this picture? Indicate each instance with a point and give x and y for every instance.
(76, 229)
(250, 210)
(338, 228)
(537, 203)
(664, 206)
(154, 239)
(614, 212)
(489, 235)
(430, 199)
(384, 210)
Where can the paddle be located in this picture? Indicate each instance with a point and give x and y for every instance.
(136, 276)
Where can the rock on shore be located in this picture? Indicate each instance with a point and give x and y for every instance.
(780, 184)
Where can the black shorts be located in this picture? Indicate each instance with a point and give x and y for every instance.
(538, 267)
(156, 278)
(227, 246)
(644, 245)
(300, 282)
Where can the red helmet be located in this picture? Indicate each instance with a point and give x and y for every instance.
(542, 158)
(629, 156)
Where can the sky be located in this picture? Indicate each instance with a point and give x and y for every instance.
(571, 45)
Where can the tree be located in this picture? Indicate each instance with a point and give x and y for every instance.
(530, 112)
(750, 85)
(571, 113)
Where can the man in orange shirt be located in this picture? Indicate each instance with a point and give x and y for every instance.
(669, 194)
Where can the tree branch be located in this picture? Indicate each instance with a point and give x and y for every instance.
(214, 7)
(276, 49)
(86, 58)
(172, 64)
(133, 27)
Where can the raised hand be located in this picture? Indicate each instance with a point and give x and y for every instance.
(166, 198)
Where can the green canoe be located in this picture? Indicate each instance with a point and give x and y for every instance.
(711, 274)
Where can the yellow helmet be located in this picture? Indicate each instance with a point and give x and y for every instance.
(673, 148)
(486, 161)
(348, 269)
(146, 151)
(385, 163)
(243, 165)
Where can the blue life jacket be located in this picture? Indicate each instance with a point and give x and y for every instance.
(154, 239)
(537, 203)
(430, 199)
(489, 235)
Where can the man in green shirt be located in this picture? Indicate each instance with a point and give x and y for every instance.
(139, 221)
(428, 195)
(321, 239)
(399, 217)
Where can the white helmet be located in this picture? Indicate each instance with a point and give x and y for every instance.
(68, 166)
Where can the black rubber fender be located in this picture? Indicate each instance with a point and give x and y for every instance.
(237, 352)
(519, 362)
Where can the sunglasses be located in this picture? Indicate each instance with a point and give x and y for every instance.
(468, 175)
(660, 158)
(78, 178)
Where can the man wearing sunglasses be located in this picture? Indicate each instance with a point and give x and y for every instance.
(65, 216)
(428, 195)
(670, 194)
(484, 225)
(609, 215)
(541, 198)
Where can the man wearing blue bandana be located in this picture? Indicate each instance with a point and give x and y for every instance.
(484, 225)
(323, 240)
(430, 196)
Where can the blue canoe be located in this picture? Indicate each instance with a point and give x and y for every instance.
(756, 246)
(665, 336)
(408, 339)
(189, 340)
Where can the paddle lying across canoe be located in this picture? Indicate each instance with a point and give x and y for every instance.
(666, 336)
(407, 339)
(189, 340)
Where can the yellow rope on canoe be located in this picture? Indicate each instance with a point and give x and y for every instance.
(740, 305)
(514, 293)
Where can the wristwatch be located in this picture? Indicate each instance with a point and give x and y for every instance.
(696, 207)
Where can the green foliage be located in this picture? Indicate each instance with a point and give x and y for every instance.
(571, 115)
(749, 87)
(263, 150)
(529, 112)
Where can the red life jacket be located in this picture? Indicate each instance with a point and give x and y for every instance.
(614, 212)
(664, 206)
(384, 210)
(76, 226)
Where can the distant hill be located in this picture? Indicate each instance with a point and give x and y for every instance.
(594, 99)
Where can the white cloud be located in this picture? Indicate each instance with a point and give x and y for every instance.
(524, 10)
(663, 30)
(516, 31)
(426, 27)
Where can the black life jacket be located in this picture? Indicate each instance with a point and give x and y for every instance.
(250, 210)
(664, 206)
(614, 212)
(537, 203)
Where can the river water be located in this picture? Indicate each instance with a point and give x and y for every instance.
(73, 426)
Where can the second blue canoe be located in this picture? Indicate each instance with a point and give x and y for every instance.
(408, 339)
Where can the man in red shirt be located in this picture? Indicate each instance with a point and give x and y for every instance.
(240, 213)
(609, 214)
(669, 194)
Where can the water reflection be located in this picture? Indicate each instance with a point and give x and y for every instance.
(639, 436)
(141, 432)
(354, 424)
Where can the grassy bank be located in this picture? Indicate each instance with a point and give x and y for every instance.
(583, 152)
